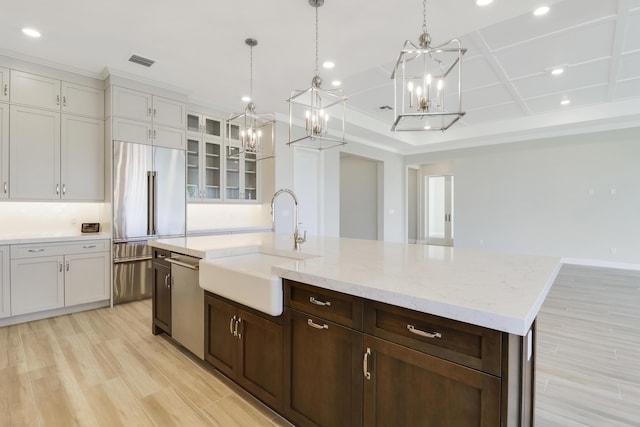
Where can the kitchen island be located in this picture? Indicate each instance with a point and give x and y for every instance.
(410, 334)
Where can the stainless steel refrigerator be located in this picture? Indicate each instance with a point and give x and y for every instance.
(149, 200)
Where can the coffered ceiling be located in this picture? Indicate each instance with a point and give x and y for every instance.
(508, 91)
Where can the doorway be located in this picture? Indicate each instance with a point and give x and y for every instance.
(360, 202)
(438, 205)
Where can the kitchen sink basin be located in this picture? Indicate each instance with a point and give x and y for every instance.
(246, 279)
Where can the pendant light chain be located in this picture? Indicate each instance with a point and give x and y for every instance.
(251, 73)
(424, 16)
(317, 60)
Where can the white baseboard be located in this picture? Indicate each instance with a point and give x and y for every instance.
(600, 263)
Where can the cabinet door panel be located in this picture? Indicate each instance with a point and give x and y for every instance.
(168, 112)
(221, 345)
(5, 87)
(83, 100)
(37, 284)
(86, 278)
(169, 137)
(36, 91)
(4, 151)
(161, 295)
(260, 364)
(35, 153)
(132, 131)
(5, 303)
(131, 104)
(412, 388)
(323, 372)
(82, 158)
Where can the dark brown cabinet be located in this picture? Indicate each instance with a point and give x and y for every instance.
(246, 346)
(323, 357)
(405, 387)
(161, 292)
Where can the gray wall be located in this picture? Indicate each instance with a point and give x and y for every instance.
(358, 198)
(551, 196)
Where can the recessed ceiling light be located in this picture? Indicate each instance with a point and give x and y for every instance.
(557, 71)
(31, 32)
(542, 10)
(336, 83)
(565, 102)
(483, 2)
(427, 127)
(328, 64)
(246, 98)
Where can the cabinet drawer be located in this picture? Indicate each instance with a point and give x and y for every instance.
(32, 250)
(343, 309)
(469, 345)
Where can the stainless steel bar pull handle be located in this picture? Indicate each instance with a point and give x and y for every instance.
(318, 302)
(413, 330)
(57, 189)
(149, 203)
(67, 265)
(317, 326)
(154, 202)
(232, 321)
(64, 189)
(5, 187)
(365, 364)
(36, 250)
(60, 267)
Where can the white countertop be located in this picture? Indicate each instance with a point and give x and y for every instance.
(494, 290)
(48, 237)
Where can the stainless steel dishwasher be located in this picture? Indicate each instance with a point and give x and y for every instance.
(187, 304)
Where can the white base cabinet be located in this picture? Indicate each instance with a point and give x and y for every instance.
(56, 275)
(4, 151)
(5, 301)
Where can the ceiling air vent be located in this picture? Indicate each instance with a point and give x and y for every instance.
(141, 60)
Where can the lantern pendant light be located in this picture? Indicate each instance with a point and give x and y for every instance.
(316, 115)
(427, 84)
(255, 133)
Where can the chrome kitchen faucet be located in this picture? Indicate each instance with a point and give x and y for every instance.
(297, 240)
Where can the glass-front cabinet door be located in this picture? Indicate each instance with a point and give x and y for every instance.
(233, 174)
(241, 170)
(250, 177)
(204, 148)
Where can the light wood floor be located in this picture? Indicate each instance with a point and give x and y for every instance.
(588, 366)
(105, 368)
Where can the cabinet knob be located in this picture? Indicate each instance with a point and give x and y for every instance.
(67, 265)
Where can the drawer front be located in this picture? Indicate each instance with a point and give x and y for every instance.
(343, 309)
(33, 250)
(459, 342)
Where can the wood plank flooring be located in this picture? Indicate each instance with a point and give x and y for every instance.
(588, 366)
(105, 368)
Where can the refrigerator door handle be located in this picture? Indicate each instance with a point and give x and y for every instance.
(154, 212)
(150, 203)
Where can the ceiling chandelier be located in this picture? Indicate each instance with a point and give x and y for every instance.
(427, 83)
(256, 132)
(320, 111)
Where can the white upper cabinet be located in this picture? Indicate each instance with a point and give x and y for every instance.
(132, 104)
(35, 153)
(82, 100)
(168, 112)
(82, 158)
(4, 151)
(36, 91)
(44, 92)
(147, 119)
(4, 84)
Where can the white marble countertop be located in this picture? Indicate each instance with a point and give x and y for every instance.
(494, 290)
(48, 237)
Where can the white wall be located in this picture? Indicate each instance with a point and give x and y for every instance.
(551, 196)
(412, 205)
